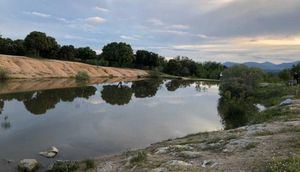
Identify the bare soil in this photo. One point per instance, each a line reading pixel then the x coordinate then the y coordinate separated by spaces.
pixel 25 67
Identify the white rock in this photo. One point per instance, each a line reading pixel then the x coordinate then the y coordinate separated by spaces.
pixel 28 165
pixel 176 163
pixel 162 150
pixel 286 102
pixel 50 153
pixel 210 163
pixel 160 169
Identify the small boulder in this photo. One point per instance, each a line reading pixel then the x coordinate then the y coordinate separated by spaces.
pixel 50 153
pixel 28 165
pixel 286 102
pixel 190 154
pixel 210 163
pixel 176 163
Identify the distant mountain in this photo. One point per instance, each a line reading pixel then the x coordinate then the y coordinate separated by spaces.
pixel 267 66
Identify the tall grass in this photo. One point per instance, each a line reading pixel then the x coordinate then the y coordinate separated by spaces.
pixel 3 74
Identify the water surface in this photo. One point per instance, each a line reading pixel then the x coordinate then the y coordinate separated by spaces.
pixel 103 119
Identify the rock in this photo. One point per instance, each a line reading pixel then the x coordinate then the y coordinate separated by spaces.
pixel 286 102
pixel 180 147
pixel 260 107
pixel 28 165
pixel 160 169
pixel 106 167
pixel 176 163
pixel 253 129
pixel 162 150
pixel 210 163
pixel 50 153
pixel 190 154
pixel 235 145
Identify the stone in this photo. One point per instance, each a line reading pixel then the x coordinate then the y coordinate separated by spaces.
pixel 210 163
pixel 50 153
pixel 28 165
pixel 176 163
pixel 253 129
pixel 162 150
pixel 106 167
pixel 160 169
pixel 235 145
pixel 260 107
pixel 190 154
pixel 286 102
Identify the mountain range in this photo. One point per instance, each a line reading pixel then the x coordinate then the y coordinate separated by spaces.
pixel 266 66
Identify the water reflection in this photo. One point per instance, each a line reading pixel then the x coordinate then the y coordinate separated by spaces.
pixel 82 122
pixel 39 102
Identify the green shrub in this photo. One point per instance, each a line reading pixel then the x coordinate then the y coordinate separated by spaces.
pixel 291 164
pixel 3 74
pixel 140 157
pixel 63 166
pixel 89 163
pixel 82 76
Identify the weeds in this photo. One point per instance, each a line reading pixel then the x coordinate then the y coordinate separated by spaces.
pixel 89 163
pixel 3 74
pixel 291 164
pixel 82 76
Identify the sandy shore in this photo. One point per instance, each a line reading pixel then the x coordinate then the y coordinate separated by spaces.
pixel 25 67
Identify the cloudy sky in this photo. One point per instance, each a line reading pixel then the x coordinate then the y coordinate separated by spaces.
pixel 218 30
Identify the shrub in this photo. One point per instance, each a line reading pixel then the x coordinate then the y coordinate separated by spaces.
pixel 82 76
pixel 62 166
pixel 291 164
pixel 140 157
pixel 89 163
pixel 3 74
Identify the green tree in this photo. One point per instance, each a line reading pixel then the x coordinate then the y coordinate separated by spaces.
pixel 118 54
pixel 67 52
pixel 38 44
pixel 85 53
pixel 285 75
pixel 146 59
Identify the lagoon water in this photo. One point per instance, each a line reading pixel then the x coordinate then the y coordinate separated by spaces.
pixel 104 119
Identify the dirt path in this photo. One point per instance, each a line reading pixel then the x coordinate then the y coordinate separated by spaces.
pixel 25 67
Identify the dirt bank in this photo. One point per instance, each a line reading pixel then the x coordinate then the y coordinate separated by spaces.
pixel 25 67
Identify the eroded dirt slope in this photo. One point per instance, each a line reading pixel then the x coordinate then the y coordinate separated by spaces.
pixel 25 67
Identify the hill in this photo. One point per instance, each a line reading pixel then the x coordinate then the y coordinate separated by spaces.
pixel 25 67
pixel 267 66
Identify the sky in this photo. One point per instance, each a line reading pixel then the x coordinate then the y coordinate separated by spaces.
pixel 204 30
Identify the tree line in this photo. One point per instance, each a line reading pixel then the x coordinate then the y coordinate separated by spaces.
pixel 115 54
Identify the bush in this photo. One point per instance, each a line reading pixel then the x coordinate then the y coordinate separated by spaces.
pixel 82 76
pixel 62 166
pixel 89 163
pixel 291 164
pixel 140 157
pixel 3 74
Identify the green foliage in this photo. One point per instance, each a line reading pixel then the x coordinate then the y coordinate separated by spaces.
pixel 3 74
pixel 85 53
pixel 291 164
pixel 8 46
pixel 285 75
pixel 67 52
pixel 240 81
pixel 118 54
pixel 89 163
pixel 38 44
pixel 146 59
pixel 140 157
pixel 82 76
pixel 63 166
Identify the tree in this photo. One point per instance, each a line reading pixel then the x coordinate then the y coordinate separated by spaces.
pixel 146 59
pixel 10 47
pixel 85 53
pixel 38 44
pixel 118 54
pixel 67 52
pixel 173 67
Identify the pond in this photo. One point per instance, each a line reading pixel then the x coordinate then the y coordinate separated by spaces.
pixel 104 118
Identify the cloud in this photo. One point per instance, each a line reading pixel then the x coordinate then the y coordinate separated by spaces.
pixel 38 14
pixel 129 37
pixel 156 22
pixel 94 21
pixel 98 8
pixel 179 27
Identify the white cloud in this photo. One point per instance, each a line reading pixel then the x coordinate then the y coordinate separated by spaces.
pixel 202 36
pixel 129 37
pixel 98 8
pixel 179 27
pixel 94 21
pixel 38 14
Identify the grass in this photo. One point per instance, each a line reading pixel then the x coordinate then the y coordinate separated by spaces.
pixel 140 157
pixel 291 164
pixel 63 166
pixel 89 164
pixel 3 74
pixel 82 76
pixel 251 145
